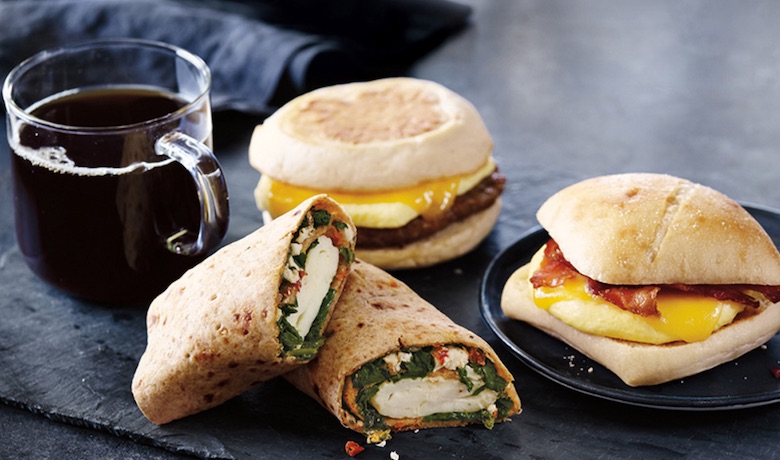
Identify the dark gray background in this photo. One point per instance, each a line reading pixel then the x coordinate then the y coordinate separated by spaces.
pixel 569 90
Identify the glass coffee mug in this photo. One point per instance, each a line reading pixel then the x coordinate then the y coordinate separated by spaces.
pixel 116 190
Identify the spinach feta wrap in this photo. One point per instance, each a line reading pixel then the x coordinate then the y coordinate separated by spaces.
pixel 252 311
pixel 393 362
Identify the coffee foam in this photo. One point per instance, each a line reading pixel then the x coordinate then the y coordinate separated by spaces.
pixel 56 160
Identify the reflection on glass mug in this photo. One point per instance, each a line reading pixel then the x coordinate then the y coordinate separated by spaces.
pixel 116 190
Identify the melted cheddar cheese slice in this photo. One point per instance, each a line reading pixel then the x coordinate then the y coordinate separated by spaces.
pixel 683 316
pixel 386 209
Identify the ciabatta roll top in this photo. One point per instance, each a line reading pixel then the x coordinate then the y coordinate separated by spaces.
pixel 642 228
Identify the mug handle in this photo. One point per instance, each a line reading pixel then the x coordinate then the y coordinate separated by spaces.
pixel 204 168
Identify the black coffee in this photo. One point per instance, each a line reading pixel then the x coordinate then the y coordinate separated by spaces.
pixel 105 197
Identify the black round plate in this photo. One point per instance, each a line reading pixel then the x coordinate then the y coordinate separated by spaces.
pixel 744 382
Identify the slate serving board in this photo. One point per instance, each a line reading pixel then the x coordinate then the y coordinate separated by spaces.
pixel 73 361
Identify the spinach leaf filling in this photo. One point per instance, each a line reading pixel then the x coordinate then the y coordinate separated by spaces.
pixel 490 376
pixel 370 376
pixel 347 254
pixel 484 416
pixel 304 348
pixel 321 217
pixel 288 336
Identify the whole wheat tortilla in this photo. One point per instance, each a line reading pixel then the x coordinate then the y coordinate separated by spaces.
pixel 213 333
pixel 377 315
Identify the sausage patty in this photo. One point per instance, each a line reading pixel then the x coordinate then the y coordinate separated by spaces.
pixel 481 197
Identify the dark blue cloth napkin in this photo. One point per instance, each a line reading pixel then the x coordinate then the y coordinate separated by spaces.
pixel 262 53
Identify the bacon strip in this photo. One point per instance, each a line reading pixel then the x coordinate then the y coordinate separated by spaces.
pixel 770 292
pixel 640 300
pixel 554 270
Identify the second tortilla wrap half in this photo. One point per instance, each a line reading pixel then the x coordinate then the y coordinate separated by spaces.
pixel 393 362
pixel 250 312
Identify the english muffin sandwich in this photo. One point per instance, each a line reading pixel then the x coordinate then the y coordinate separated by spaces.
pixel 655 277
pixel 409 160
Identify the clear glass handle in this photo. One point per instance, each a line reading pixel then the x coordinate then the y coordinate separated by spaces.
pixel 212 192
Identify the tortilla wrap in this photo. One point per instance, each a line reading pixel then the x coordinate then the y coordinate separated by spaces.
pixel 378 316
pixel 218 330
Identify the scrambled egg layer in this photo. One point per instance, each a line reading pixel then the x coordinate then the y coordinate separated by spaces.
pixel 389 209
pixel 683 316
pixel 322 263
pixel 412 398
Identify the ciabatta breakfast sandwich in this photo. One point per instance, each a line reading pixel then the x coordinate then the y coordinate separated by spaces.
pixel 393 362
pixel 408 159
pixel 655 277
pixel 253 310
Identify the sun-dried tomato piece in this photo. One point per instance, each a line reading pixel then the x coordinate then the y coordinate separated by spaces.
pixel 440 353
pixel 352 448
pixel 476 356
pixel 336 236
